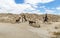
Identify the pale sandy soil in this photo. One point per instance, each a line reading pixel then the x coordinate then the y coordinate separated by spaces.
pixel 23 30
pixel 16 31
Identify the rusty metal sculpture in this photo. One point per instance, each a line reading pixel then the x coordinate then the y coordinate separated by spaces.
pixel 18 19
pixel 24 18
pixel 45 18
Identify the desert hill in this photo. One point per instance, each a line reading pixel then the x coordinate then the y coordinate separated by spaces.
pixel 51 17
pixel 11 18
pixel 20 26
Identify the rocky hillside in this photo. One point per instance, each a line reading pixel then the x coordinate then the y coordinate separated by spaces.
pixel 51 17
pixel 8 18
pixel 11 18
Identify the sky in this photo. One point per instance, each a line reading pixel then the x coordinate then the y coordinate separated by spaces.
pixel 30 6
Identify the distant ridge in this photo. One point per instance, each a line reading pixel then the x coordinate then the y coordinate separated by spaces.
pixel 11 18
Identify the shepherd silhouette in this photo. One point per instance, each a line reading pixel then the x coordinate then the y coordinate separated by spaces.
pixel 46 18
pixel 24 17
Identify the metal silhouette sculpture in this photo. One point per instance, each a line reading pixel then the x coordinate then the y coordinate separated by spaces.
pixel 31 22
pixel 24 17
pixel 18 19
pixel 46 18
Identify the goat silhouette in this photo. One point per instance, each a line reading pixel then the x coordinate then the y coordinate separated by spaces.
pixel 18 19
pixel 30 22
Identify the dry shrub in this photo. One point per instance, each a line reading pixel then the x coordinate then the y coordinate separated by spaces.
pixel 56 33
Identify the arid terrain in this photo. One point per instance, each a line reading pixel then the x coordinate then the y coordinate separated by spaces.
pixel 29 26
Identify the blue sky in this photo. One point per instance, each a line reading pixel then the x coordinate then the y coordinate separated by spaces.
pixel 53 4
pixel 19 1
pixel 30 6
pixel 50 6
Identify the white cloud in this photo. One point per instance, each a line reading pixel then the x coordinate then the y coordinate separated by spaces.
pixel 49 11
pixel 58 8
pixel 9 6
pixel 38 1
pixel 33 11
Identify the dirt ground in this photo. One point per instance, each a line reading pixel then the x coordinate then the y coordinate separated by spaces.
pixel 8 30
pixel 24 30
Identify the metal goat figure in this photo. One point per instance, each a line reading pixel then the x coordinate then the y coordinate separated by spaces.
pixel 18 19
pixel 45 18
pixel 31 22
